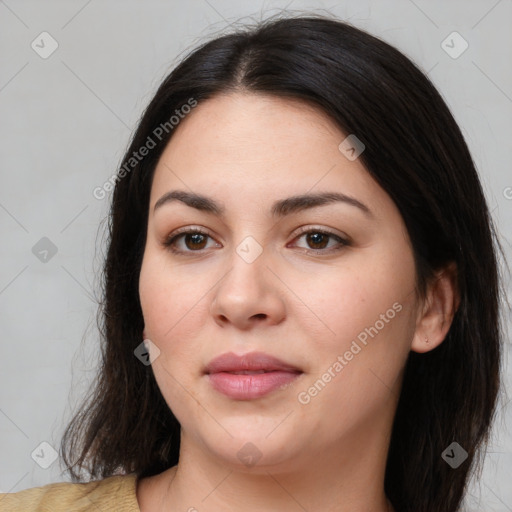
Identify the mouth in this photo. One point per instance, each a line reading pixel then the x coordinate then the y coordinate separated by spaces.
pixel 251 372
pixel 250 376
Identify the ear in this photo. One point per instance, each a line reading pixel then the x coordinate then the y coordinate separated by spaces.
pixel 435 317
pixel 144 333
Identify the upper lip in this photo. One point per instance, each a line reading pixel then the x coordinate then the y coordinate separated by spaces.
pixel 231 362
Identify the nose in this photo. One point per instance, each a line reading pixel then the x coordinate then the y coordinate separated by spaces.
pixel 249 294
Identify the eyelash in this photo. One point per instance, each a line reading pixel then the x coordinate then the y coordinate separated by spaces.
pixel 171 240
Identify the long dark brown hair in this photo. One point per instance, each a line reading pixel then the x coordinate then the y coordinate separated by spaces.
pixel 417 154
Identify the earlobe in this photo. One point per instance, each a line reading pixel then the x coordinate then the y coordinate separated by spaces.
pixel 441 304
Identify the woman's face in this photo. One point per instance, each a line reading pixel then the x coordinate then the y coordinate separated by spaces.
pixel 265 279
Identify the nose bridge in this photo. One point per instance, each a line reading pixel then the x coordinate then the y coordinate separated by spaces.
pixel 250 249
pixel 247 267
pixel 249 289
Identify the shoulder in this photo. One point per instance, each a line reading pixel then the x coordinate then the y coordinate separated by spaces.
pixel 116 493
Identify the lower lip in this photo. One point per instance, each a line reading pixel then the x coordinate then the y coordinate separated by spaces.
pixel 248 387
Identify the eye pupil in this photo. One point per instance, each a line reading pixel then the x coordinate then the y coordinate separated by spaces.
pixel 317 238
pixel 196 239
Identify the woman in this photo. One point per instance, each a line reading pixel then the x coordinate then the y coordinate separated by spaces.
pixel 299 235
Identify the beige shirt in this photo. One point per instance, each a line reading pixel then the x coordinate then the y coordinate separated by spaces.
pixel 112 494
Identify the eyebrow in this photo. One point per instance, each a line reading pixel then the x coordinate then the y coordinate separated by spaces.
pixel 279 208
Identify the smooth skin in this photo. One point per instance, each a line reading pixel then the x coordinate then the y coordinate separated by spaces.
pixel 301 300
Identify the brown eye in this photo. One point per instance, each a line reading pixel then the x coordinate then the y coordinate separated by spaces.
pixel 317 240
pixel 194 240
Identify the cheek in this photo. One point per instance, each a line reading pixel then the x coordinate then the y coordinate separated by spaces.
pixel 171 309
pixel 169 298
pixel 369 338
pixel 371 312
pixel 368 318
pixel 370 291
pixel 357 375
pixel 169 304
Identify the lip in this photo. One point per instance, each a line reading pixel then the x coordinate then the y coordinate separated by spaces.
pixel 278 374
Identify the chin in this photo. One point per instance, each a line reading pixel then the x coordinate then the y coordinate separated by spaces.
pixel 252 449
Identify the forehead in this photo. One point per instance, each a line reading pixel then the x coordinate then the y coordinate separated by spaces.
pixel 244 147
pixel 242 130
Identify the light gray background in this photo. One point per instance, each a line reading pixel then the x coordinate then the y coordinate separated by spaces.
pixel 66 121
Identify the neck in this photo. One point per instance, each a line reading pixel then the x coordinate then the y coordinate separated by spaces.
pixel 348 479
